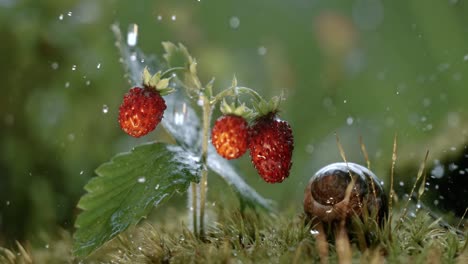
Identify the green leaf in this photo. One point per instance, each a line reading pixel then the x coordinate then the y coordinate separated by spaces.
pixel 127 188
pixel 177 56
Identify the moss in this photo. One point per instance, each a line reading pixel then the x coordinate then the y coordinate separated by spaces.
pixel 259 237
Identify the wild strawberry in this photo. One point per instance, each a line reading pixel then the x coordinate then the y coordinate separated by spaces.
pixel 271 144
pixel 230 136
pixel 141 111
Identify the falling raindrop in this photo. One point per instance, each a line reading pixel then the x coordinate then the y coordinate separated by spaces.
pixel 465 58
pixel 402 184
pixel 173 17
pixel 98 66
pixel 234 22
pixel 180 114
pixel 61 18
pixel 157 187
pixel 67 84
pixel 437 172
pixel 47 246
pixel 142 179
pixel 81 172
pixel 71 137
pixel 132 35
pixel 7 203
pixel 88 82
pixel 73 67
pixel 54 65
pixel 70 13
pixel 349 121
pixel 105 109
pixel 262 51
pixel 159 17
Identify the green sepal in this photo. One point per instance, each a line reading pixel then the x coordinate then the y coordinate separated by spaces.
pixel 264 107
pixel 155 81
pixel 233 109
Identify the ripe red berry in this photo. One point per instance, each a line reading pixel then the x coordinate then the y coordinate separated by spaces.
pixel 271 144
pixel 141 111
pixel 230 136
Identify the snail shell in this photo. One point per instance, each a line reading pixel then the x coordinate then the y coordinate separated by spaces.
pixel 324 198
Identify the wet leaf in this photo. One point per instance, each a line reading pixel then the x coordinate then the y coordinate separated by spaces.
pixel 126 189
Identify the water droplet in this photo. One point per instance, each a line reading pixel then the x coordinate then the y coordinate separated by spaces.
pixel 105 109
pixel 418 205
pixel 345 101
pixel 98 66
pixel 402 184
pixel 179 115
pixel 453 119
pixel 67 84
pixel 140 248
pixel 47 246
pixel 133 57
pixel 262 51
pixel 70 13
pixel 173 17
pixel 159 17
pixel 73 67
pixel 81 172
pixel 142 179
pixel 88 82
pixel 349 121
pixel 437 172
pixel 436 202
pixel 310 148
pixel 54 65
pixel 465 58
pixel 71 137
pixel 314 232
pixel 132 35
pixel 157 187
pixel 234 22
pixel 329 210
pixel 61 18
pixel 7 203
pixel 436 186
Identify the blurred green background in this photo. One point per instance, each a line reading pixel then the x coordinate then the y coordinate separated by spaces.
pixel 369 68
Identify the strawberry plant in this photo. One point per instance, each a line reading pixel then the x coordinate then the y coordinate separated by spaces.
pixel 131 184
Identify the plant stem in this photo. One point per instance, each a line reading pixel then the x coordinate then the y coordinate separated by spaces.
pixel 194 207
pixel 207 109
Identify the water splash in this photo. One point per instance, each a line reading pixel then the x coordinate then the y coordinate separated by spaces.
pixel 132 35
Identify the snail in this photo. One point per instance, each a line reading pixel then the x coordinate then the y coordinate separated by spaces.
pixel 324 196
pixel 335 195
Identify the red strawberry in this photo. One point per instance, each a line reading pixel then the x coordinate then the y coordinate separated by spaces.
pixel 141 111
pixel 271 144
pixel 230 136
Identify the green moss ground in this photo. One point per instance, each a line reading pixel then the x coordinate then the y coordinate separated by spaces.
pixel 255 238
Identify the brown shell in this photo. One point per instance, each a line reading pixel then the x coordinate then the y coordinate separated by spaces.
pixel 324 196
